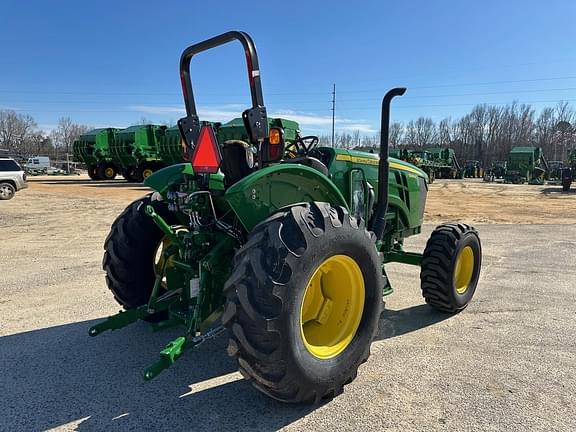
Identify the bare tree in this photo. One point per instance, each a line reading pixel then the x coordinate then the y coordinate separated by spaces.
pixel 15 131
pixel 395 133
pixel 65 134
pixel 425 132
pixel 444 132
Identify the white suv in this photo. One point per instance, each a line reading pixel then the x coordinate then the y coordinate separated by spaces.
pixel 12 178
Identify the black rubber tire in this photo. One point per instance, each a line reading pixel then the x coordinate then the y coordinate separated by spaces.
pixel 101 171
pixel 92 173
pixel 129 253
pixel 8 191
pixel 139 172
pixel 438 264
pixel 129 174
pixel 265 292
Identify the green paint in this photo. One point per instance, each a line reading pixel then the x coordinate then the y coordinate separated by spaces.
pixel 93 147
pixel 136 145
pixel 260 194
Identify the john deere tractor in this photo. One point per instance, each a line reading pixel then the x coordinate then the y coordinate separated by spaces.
pixel 284 249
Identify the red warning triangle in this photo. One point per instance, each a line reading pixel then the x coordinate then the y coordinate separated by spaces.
pixel 206 156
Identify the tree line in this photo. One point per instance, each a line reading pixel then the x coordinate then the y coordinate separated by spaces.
pixel 487 133
pixel 20 137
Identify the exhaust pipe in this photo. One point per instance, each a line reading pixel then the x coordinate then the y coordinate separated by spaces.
pixel 379 224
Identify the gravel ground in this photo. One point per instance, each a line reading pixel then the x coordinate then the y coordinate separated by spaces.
pixel 507 362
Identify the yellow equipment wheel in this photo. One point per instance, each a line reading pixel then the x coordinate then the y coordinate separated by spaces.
pixel 451 267
pixel 303 302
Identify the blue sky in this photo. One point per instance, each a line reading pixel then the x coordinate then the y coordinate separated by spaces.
pixel 110 63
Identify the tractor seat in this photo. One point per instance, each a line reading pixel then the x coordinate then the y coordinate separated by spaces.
pixel 310 162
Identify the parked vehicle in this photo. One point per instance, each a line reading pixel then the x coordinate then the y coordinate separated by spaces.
pixel 12 178
pixel 38 163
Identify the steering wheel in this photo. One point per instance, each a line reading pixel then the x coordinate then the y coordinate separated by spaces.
pixel 306 144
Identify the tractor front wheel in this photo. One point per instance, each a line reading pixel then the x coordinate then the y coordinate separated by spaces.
pixel 303 302
pixel 451 267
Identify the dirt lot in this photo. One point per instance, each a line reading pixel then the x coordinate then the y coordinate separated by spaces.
pixel 505 363
pixel 471 200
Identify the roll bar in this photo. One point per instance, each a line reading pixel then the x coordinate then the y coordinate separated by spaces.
pixel 256 116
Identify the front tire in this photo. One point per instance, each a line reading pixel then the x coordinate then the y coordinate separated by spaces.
pixel 7 191
pixel 303 302
pixel 451 267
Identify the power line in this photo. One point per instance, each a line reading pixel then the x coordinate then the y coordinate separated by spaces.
pixel 398 106
pixel 303 102
pixel 284 93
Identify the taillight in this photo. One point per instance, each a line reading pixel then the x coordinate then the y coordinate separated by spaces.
pixel 275 144
pixel 206 156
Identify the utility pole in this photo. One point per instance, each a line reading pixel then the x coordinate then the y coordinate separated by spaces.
pixel 333 110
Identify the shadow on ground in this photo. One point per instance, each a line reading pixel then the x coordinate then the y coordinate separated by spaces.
pixel 399 322
pixel 558 191
pixel 59 375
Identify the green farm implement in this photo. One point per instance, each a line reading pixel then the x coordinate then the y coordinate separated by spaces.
pixel 93 148
pixel 447 165
pixel 281 245
pixel 526 165
pixel 135 150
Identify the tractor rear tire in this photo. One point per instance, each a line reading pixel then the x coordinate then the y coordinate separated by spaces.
pixel 303 302
pixel 451 267
pixel 129 253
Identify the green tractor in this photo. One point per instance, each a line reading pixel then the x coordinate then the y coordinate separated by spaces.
pixel 93 149
pixel 284 247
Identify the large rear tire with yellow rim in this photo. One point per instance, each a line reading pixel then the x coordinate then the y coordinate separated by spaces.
pixel 303 302
pixel 451 267
pixel 131 254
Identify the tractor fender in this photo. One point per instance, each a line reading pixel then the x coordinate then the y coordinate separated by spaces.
pixel 263 192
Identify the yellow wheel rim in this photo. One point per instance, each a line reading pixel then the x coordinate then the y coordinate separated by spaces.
pixel 147 173
pixel 464 270
pixel 332 307
pixel 109 172
pixel 158 257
